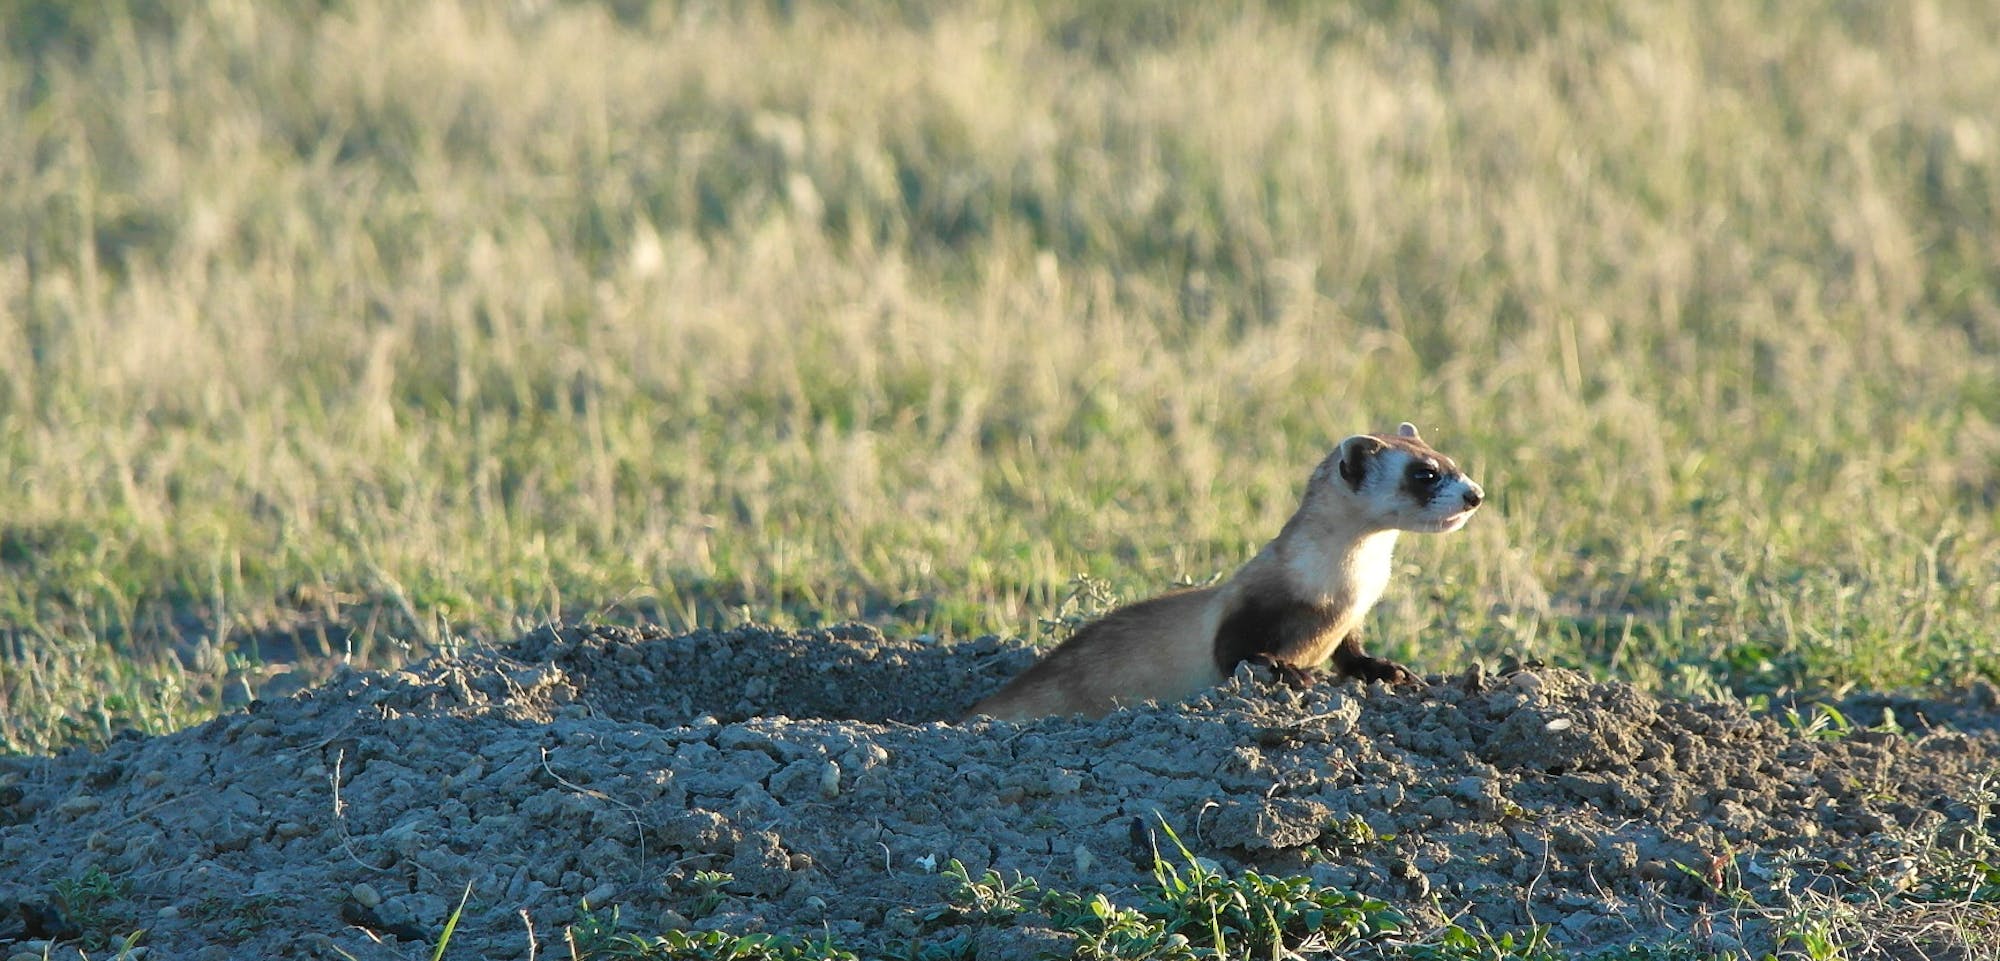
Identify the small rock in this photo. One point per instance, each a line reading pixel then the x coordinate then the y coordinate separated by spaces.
pixel 737 737
pixel 407 838
pixel 829 780
pixel 1273 824
pixel 1085 861
pixel 1471 789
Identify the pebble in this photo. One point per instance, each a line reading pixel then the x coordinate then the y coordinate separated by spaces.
pixel 1470 788
pixel 829 780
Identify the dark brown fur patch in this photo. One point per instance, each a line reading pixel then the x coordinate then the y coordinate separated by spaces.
pixel 1350 660
pixel 1353 459
pixel 1269 626
pixel 1422 456
pixel 1420 480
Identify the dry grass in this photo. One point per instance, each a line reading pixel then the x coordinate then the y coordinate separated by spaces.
pixel 326 331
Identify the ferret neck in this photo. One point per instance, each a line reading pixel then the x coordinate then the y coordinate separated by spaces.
pixel 1346 572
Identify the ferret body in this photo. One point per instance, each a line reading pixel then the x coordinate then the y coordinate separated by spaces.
pixel 1299 601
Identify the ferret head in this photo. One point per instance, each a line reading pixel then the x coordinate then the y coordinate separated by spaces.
pixel 1395 482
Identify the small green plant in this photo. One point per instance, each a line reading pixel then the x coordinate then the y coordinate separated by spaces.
pixel 1106 931
pixel 86 893
pixel 594 936
pixel 1089 598
pixel 1456 943
pixel 989 897
pixel 1826 723
pixel 1260 914
pixel 85 901
pixel 451 923
pixel 1352 833
pixel 708 891
pixel 706 946
pixel 1722 877
pixel 1961 864
pixel 1675 950
pixel 126 946
pixel 1193 910
pixel 1809 935
pixel 594 933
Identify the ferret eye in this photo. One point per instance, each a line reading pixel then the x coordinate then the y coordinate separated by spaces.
pixel 1423 475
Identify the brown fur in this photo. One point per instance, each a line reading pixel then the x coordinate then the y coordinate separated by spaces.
pixel 1298 602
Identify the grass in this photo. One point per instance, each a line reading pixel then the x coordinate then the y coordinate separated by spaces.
pixel 1944 902
pixel 1943 907
pixel 337 332
pixel 1193 911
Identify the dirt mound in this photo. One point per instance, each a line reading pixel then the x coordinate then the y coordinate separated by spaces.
pixel 615 766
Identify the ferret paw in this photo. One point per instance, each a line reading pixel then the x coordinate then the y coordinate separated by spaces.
pixel 1291 675
pixel 1365 668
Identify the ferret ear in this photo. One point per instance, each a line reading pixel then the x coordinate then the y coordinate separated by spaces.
pixel 1408 430
pixel 1354 454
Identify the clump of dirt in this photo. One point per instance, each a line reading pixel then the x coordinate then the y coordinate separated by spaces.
pixel 613 767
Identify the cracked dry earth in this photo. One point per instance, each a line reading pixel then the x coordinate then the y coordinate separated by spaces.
pixel 611 765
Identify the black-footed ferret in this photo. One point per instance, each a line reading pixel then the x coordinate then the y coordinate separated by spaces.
pixel 1299 601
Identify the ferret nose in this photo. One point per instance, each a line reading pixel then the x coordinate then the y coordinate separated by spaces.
pixel 1473 495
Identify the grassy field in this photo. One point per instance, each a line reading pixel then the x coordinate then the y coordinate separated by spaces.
pixel 344 330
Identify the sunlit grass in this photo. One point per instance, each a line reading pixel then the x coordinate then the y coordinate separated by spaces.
pixel 338 331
